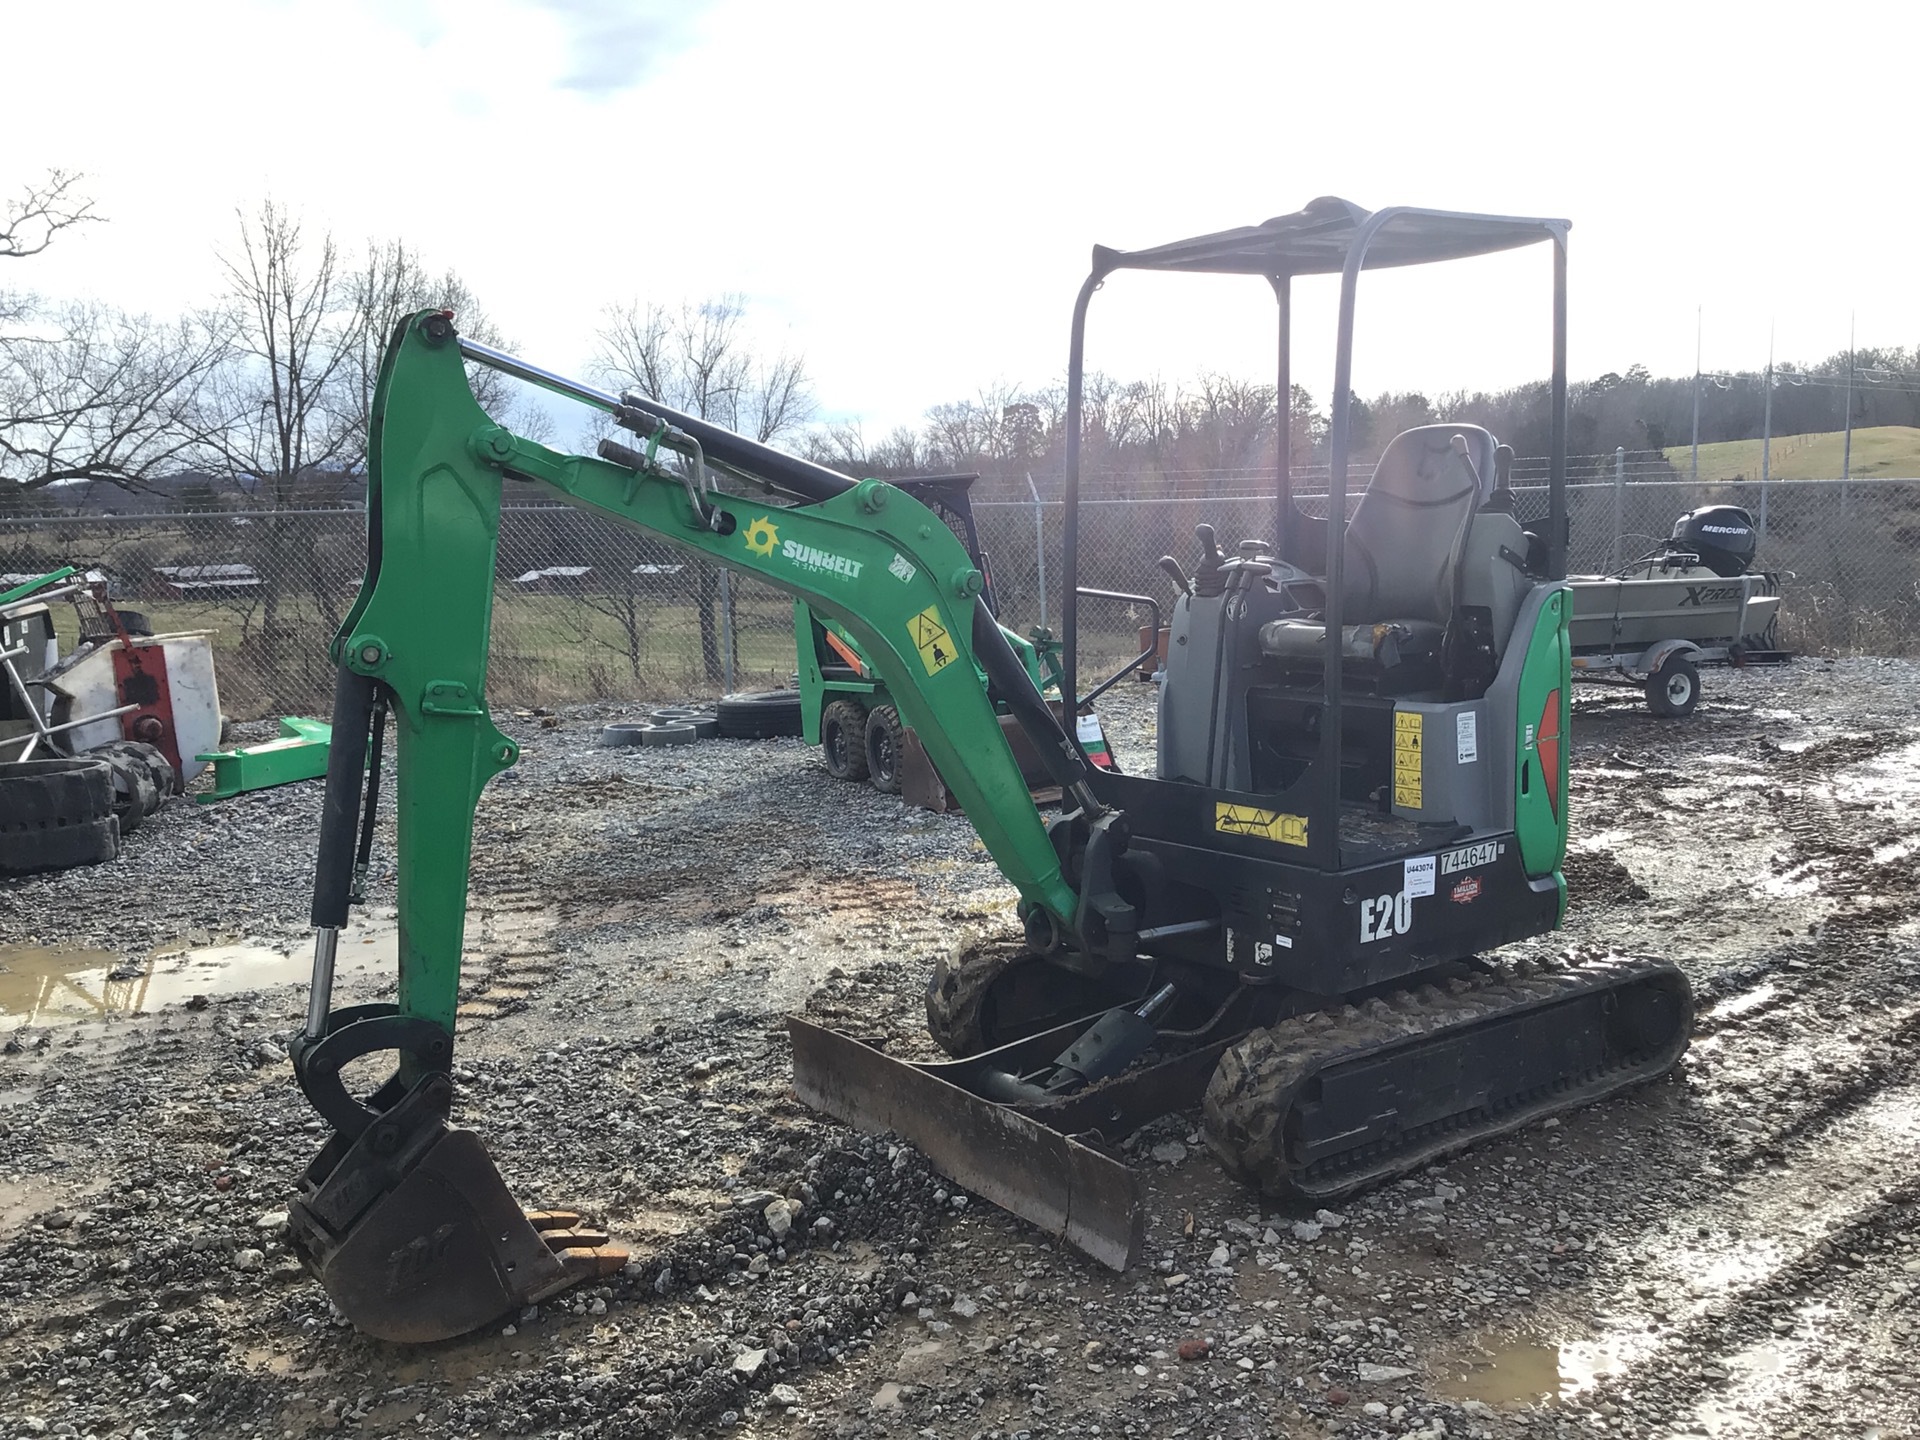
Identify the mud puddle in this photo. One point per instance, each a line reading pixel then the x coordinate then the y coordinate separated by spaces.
pixel 1531 1369
pixel 63 985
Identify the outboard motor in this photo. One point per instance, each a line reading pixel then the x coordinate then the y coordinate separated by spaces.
pixel 1721 535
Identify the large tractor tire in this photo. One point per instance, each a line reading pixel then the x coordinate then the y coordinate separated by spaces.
pixel 760 715
pixel 843 739
pixel 55 814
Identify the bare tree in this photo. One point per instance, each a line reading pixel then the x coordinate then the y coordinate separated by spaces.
pixel 296 333
pixel 53 205
pixel 88 393
pixel 392 283
pixel 293 420
pixel 845 447
pixel 698 358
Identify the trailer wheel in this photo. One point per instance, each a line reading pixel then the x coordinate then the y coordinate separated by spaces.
pixel 843 739
pixel 1674 689
pixel 884 732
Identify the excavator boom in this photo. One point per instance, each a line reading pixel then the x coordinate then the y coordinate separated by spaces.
pixel 403 1217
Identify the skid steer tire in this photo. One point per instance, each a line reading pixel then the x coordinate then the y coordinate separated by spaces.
pixel 55 814
pixel 843 739
pixel 142 780
pixel 760 715
pixel 654 736
pixel 884 738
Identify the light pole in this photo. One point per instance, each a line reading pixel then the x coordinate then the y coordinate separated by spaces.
pixel 1696 394
pixel 1846 447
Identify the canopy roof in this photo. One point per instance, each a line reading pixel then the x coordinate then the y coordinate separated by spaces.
pixel 1315 241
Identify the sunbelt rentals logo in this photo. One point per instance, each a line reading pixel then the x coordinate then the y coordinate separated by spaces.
pixel 762 536
pixel 822 562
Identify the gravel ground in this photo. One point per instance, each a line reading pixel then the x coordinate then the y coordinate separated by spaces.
pixel 1733 1251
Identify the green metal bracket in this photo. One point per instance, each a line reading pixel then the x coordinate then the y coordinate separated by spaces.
pixel 299 754
pixel 449 697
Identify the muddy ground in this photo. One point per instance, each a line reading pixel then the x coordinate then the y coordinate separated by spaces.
pixel 1733 1251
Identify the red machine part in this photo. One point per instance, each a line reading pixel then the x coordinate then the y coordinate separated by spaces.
pixel 140 680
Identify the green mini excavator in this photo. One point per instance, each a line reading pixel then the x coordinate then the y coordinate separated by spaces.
pixel 1360 789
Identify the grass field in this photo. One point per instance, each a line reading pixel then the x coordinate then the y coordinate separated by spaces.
pixel 1884 450
pixel 545 648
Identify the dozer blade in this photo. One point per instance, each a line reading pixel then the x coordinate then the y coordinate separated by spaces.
pixel 1066 1187
pixel 415 1237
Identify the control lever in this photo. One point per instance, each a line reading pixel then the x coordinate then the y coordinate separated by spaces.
pixel 1209 579
pixel 1175 573
pixel 1459 444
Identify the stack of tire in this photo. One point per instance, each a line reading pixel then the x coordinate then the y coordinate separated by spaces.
pixel 58 813
pixel 749 716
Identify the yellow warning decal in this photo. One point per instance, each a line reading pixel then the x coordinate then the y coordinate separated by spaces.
pixel 1406 757
pixel 1257 824
pixel 930 638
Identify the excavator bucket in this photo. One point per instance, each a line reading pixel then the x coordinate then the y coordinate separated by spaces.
pixel 414 1234
pixel 1065 1184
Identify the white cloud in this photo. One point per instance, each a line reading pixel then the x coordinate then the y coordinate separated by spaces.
pixel 909 194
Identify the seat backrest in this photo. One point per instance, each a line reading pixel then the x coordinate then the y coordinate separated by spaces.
pixel 1403 544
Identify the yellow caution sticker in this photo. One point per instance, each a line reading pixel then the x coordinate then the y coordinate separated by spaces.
pixel 930 638
pixel 1407 748
pixel 1258 824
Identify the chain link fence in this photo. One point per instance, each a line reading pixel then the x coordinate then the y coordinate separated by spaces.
pixel 1847 553
pixel 587 609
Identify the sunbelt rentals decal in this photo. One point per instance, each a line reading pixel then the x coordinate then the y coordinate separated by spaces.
pixel 763 538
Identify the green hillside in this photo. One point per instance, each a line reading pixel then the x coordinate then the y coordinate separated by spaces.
pixel 1892 450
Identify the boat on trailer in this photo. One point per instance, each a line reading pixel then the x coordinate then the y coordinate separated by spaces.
pixel 1696 600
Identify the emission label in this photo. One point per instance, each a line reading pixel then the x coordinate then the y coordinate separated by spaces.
pixel 1260 824
pixel 1407 745
pixel 1467 735
pixel 930 638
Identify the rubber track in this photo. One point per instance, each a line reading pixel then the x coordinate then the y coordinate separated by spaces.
pixel 1255 1085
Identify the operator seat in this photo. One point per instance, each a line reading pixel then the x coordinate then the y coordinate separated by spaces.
pixel 1403 548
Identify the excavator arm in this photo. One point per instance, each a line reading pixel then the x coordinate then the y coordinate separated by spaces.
pixel 403 1217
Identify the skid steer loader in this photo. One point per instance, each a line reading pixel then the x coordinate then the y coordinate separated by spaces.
pixel 1361 785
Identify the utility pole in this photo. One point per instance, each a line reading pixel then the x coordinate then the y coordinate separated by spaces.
pixel 1766 437
pixel 1696 394
pixel 1846 452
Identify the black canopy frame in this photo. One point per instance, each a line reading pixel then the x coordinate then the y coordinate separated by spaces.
pixel 1329 236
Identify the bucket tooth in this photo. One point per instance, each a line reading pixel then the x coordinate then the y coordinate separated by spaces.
pixel 415 1236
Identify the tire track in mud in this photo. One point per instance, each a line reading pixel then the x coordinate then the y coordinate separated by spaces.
pixel 1744 1315
pixel 1755 1264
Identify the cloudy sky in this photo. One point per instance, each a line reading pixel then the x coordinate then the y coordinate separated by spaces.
pixel 908 193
